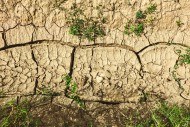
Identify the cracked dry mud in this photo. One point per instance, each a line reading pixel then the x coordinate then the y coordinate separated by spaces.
pixel 36 49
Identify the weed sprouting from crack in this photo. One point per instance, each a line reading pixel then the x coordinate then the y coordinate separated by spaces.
pixel 143 18
pixel 183 59
pixel 84 26
pixel 179 23
pixel 136 28
pixel 151 9
pixel 71 91
pixel 139 14
pixel 15 114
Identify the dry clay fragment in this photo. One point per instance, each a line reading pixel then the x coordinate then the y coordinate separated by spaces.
pixel 54 62
pixel 107 74
pixel 14 77
pixel 158 62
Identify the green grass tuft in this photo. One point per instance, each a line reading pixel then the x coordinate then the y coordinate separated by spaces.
pixel 164 116
pixel 139 14
pixel 71 91
pixel 17 115
pixel 137 29
pixel 85 26
pixel 151 9
pixel 143 18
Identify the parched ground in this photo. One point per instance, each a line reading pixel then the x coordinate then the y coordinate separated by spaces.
pixel 112 72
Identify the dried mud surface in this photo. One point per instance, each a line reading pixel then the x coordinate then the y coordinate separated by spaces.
pixel 36 49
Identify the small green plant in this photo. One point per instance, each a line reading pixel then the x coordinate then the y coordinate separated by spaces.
pixel 71 91
pixel 17 115
pixel 170 116
pixel 151 9
pixel 127 29
pixel 76 27
pixel 183 59
pixel 139 14
pixel 164 116
pixel 142 20
pixel 177 116
pixel 85 27
pixel 93 31
pixel 137 29
pixel 179 23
